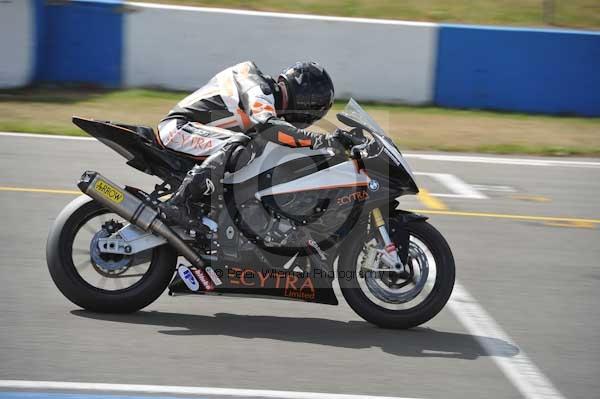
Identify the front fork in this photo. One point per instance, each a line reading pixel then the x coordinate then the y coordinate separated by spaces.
pixel 389 255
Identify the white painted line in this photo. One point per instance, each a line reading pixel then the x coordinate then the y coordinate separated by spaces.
pixel 45 136
pixel 519 369
pixel 503 160
pixel 459 187
pixel 279 14
pixel 498 189
pixel 164 389
pixel 428 157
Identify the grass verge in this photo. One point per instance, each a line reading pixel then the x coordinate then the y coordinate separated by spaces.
pixel 46 110
pixel 558 13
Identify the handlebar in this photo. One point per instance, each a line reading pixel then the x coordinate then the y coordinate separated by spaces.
pixel 357 139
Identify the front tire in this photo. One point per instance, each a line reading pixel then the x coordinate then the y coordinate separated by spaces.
pixel 67 277
pixel 399 309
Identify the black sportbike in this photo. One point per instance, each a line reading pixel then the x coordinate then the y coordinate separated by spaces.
pixel 285 223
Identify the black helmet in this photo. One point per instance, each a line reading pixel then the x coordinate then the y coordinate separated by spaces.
pixel 310 93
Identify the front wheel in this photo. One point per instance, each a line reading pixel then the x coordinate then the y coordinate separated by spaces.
pixel 385 298
pixel 101 282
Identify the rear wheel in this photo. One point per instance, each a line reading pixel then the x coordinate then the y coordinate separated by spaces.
pixel 97 281
pixel 385 298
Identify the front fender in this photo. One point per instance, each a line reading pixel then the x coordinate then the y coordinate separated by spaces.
pixel 397 222
pixel 407 217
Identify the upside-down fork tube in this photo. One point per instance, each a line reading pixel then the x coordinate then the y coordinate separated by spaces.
pixel 134 210
pixel 390 247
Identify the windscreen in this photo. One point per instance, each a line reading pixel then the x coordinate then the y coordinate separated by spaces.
pixel 355 112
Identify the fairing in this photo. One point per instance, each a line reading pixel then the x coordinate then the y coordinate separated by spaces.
pixel 343 175
pixel 272 275
pixel 317 190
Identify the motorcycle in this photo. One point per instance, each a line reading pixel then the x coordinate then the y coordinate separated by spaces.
pixel 286 223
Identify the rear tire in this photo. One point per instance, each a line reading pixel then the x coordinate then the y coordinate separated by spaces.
pixel 64 274
pixel 400 318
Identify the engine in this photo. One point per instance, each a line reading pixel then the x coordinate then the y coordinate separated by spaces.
pixel 278 223
pixel 263 226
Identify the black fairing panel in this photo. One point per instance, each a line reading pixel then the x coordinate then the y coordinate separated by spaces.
pixel 389 181
pixel 138 145
pixel 124 141
pixel 266 276
pixel 396 178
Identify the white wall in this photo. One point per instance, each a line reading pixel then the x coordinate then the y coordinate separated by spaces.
pixel 17 35
pixel 182 47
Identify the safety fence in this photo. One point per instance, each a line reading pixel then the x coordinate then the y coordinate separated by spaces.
pixel 114 43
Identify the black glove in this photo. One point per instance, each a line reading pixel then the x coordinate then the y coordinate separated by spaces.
pixel 339 140
pixel 344 139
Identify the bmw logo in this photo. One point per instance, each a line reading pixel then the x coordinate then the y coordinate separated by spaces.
pixel 373 185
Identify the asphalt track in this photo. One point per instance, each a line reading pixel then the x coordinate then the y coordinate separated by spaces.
pixel 525 321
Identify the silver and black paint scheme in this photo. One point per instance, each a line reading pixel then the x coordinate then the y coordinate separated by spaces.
pixel 275 201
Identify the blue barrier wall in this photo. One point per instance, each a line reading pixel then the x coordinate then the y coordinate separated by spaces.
pixel 523 70
pixel 80 42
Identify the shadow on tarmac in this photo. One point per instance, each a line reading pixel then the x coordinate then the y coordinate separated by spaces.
pixel 417 342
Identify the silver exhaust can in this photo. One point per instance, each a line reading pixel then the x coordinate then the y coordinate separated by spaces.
pixel 117 199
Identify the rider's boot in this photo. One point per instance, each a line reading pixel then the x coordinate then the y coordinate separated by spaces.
pixel 177 209
pixel 197 186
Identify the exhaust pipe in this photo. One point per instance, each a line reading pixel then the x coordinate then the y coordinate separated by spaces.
pixel 131 208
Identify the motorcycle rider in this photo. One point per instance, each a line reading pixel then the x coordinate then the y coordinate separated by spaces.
pixel 209 123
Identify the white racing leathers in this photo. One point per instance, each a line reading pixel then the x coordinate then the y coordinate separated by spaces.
pixel 237 99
